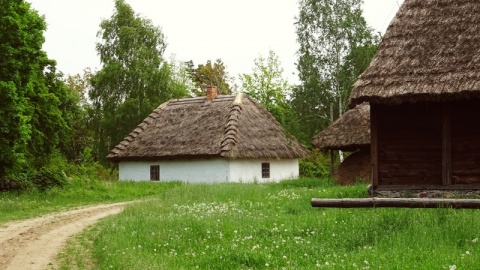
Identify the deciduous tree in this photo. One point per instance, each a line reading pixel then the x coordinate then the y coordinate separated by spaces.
pixel 211 74
pixel 336 45
pixel 267 85
pixel 134 78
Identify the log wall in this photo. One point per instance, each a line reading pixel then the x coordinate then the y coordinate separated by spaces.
pixel 465 143
pixel 427 144
pixel 409 145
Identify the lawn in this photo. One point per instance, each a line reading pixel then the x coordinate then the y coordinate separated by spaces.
pixel 273 226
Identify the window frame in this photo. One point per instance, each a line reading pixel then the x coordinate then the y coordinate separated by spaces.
pixel 154 172
pixel 265 169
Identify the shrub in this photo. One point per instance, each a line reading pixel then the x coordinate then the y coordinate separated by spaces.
pixel 315 165
pixel 17 182
pixel 47 178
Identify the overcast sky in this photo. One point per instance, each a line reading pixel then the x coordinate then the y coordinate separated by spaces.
pixel 235 31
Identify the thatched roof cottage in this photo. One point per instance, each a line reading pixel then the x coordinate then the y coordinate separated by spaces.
pixel 423 86
pixel 349 133
pixel 209 139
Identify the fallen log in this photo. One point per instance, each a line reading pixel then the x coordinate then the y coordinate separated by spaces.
pixel 397 202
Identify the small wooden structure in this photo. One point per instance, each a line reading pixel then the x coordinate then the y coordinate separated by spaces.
pixel 423 86
pixel 349 133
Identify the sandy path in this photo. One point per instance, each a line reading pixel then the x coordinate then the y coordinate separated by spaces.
pixel 34 243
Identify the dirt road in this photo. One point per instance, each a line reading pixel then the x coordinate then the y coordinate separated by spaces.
pixel 34 243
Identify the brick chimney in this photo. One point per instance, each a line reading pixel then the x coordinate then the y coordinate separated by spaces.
pixel 211 92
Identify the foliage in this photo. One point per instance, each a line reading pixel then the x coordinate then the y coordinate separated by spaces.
pixel 267 85
pixel 336 45
pixel 210 74
pixel 36 107
pixel 316 164
pixel 182 80
pixel 21 39
pixel 134 78
pixel 82 135
pixel 47 178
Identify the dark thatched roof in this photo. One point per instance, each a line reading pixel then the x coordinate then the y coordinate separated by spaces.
pixel 430 52
pixel 348 133
pixel 234 127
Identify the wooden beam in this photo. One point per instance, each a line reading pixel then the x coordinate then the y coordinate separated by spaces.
pixel 397 202
pixel 452 188
pixel 446 147
pixel 374 145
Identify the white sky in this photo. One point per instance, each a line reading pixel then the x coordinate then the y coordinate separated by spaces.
pixel 236 31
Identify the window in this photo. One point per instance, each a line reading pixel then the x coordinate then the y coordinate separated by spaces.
pixel 265 170
pixel 155 172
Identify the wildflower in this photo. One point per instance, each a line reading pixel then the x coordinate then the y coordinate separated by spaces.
pixel 267 264
pixel 452 267
pixel 467 252
pixel 475 240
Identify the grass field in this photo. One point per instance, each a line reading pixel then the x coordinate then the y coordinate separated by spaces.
pixel 256 226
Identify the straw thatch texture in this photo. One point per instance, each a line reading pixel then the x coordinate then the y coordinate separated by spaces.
pixel 229 126
pixel 430 52
pixel 348 133
pixel 354 168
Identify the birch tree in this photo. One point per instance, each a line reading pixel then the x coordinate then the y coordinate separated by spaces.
pixel 333 36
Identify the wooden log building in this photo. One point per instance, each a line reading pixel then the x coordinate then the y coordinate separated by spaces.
pixel 423 86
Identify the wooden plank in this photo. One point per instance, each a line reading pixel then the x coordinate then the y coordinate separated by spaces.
pixel 374 144
pixel 397 202
pixel 446 147
pixel 428 187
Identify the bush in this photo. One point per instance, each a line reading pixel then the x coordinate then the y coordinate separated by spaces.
pixel 18 182
pixel 315 165
pixel 47 178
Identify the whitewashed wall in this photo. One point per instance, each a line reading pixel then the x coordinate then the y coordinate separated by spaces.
pixel 251 170
pixel 210 170
pixel 192 171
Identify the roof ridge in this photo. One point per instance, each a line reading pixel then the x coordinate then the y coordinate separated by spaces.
pixel 231 128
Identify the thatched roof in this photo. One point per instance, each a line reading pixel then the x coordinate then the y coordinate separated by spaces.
pixel 348 133
pixel 234 127
pixel 430 52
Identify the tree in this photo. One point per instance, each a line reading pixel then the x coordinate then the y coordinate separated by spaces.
pixel 82 136
pixel 21 39
pixel 210 74
pixel 267 85
pixel 134 78
pixel 336 45
pixel 182 79
pixel 36 107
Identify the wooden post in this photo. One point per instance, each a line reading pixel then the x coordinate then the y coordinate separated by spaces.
pixel 374 145
pixel 397 202
pixel 446 147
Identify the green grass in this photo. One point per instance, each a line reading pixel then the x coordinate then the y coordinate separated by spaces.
pixel 253 226
pixel 14 205
pixel 272 226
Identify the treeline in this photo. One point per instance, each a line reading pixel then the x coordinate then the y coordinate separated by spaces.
pixel 54 126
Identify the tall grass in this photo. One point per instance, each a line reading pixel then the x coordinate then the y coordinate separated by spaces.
pixel 272 226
